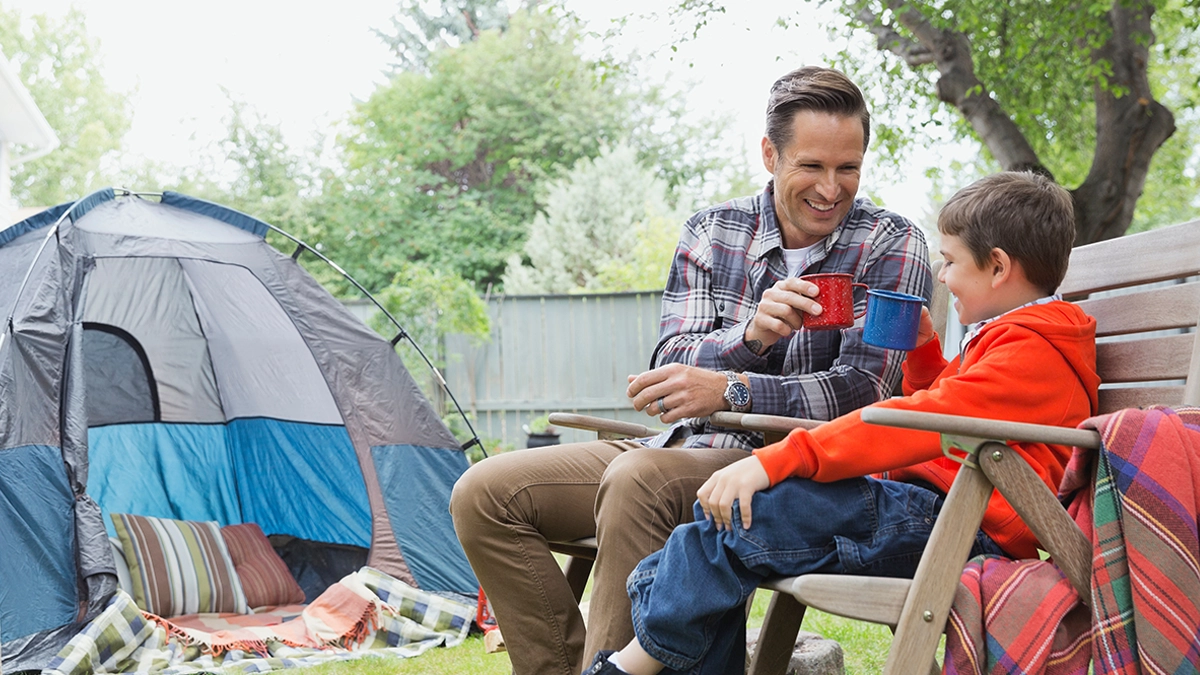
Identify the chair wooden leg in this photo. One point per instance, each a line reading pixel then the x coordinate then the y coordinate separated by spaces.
pixel 577 572
pixel 923 619
pixel 777 639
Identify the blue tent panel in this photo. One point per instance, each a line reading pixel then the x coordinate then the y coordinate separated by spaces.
pixel 37 526
pixel 289 477
pixel 300 479
pixel 420 513
pixel 176 471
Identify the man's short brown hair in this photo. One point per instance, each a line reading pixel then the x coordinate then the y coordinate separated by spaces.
pixel 817 89
pixel 1026 215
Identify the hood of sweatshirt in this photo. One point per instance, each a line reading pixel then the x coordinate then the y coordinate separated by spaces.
pixel 1066 327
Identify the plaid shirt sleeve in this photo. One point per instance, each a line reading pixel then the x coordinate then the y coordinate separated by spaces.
pixel 693 330
pixel 855 374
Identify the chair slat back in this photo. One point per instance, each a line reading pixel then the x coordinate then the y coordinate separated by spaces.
pixel 1142 258
pixel 1142 291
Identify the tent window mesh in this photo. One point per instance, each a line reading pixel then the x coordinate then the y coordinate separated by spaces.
pixel 120 383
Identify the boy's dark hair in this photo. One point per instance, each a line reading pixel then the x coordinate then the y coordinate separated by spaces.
pixel 1027 215
pixel 813 88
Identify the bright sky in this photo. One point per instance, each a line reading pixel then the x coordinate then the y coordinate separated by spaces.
pixel 303 63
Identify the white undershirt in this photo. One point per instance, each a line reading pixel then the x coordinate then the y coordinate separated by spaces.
pixel 797 259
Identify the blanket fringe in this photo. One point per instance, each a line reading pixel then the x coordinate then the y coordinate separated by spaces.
pixel 174 631
pixel 365 626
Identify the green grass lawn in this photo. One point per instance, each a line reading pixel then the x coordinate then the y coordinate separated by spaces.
pixel 864 645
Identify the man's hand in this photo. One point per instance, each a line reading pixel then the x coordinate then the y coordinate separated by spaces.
pixel 739 481
pixel 675 391
pixel 925 330
pixel 780 313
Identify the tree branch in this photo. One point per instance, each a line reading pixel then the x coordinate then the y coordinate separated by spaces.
pixel 959 86
pixel 914 53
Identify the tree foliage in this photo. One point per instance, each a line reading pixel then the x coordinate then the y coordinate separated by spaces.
pixel 431 304
pixel 1069 92
pixel 419 30
pixel 607 226
pixel 59 63
pixel 446 166
pixel 1079 91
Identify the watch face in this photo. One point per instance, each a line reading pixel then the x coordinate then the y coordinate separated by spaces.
pixel 739 394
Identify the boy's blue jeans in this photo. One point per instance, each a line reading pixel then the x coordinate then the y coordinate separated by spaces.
pixel 689 598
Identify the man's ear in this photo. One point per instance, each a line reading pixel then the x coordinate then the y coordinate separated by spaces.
pixel 1001 266
pixel 768 155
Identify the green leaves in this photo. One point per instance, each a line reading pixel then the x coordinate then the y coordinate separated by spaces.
pixel 59 63
pixel 607 227
pixel 447 165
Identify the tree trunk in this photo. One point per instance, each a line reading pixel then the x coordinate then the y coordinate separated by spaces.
pixel 1129 129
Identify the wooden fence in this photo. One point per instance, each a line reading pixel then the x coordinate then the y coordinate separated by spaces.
pixel 553 353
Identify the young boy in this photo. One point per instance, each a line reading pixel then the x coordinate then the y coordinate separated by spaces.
pixel 848 497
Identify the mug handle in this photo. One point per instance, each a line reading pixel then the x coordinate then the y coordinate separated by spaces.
pixel 866 287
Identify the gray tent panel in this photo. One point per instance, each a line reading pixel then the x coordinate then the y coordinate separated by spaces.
pixel 137 218
pixel 264 369
pixel 149 299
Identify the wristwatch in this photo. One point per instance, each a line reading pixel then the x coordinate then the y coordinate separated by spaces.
pixel 737 394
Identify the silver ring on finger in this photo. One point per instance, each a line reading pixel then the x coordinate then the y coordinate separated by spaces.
pixel 662 407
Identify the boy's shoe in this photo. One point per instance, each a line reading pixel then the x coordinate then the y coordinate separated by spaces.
pixel 601 666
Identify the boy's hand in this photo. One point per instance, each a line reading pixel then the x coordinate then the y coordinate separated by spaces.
pixel 739 481
pixel 925 330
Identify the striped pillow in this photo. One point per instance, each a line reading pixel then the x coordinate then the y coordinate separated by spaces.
pixel 179 566
pixel 265 578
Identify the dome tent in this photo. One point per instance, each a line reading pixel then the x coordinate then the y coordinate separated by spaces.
pixel 160 358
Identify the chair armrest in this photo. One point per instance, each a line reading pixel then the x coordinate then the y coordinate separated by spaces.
pixel 607 429
pixel 1033 501
pixel 977 427
pixel 773 427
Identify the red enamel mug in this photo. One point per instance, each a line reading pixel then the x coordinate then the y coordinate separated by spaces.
pixel 836 297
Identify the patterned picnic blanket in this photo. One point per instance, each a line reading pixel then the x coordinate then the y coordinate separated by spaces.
pixel 1141 517
pixel 366 613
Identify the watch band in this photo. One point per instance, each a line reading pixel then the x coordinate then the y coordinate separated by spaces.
pixel 737 394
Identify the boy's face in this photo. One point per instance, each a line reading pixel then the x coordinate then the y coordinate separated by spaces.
pixel 816 175
pixel 975 298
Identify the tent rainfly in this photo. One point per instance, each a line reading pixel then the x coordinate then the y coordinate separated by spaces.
pixel 159 357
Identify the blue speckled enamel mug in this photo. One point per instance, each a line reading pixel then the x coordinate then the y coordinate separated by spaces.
pixel 892 319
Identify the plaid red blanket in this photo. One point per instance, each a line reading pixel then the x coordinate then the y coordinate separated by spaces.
pixel 1140 513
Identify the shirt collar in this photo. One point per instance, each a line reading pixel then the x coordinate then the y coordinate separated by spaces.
pixel 767 237
pixel 974 329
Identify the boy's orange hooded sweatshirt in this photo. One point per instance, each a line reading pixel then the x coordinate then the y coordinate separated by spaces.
pixel 1036 364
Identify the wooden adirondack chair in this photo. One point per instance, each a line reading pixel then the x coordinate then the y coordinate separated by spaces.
pixel 1142 357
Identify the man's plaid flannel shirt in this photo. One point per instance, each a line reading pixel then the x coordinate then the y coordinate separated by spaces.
pixel 727 256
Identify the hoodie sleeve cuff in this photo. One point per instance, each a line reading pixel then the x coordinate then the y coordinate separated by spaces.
pixel 924 364
pixel 791 457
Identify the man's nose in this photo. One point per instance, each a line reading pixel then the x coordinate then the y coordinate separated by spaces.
pixel 827 185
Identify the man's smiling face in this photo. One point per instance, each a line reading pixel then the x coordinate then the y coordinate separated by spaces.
pixel 816 175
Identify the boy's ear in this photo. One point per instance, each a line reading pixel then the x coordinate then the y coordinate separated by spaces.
pixel 1000 264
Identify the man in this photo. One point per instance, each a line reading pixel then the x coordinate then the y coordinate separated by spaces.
pixel 730 338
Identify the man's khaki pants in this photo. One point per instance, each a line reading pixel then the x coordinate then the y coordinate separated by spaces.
pixel 629 497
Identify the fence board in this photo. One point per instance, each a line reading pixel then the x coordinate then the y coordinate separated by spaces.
pixel 551 353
